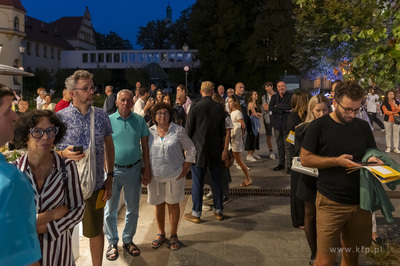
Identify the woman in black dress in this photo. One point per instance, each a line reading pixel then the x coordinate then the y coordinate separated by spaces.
pixel 307 185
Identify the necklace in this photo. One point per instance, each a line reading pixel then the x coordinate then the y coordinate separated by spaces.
pixel 47 170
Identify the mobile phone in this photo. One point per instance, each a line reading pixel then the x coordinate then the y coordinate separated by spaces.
pixel 78 148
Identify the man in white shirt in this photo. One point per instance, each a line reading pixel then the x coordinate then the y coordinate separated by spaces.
pixel 142 105
pixel 372 102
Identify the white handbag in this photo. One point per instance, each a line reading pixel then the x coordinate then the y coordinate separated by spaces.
pixel 298 167
pixel 87 165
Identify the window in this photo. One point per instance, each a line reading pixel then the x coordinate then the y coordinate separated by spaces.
pixel 188 57
pixel 100 58
pixel 164 57
pixel 108 57
pixel 37 49
pixel 52 52
pixel 84 58
pixel 140 58
pixel 116 57
pixel 179 57
pixel 124 57
pixel 171 57
pixel 16 23
pixel 149 57
pixel 28 48
pixel 156 57
pixel 93 58
pixel 45 51
pixel 131 57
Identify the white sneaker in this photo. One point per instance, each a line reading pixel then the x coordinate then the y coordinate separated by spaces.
pixel 238 167
pixel 396 150
pixel 251 158
pixel 208 196
pixel 256 156
pixel 272 156
pixel 387 150
pixel 206 207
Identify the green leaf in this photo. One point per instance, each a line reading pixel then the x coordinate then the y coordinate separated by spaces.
pixel 333 37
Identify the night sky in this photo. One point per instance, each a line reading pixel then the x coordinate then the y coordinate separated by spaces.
pixel 121 16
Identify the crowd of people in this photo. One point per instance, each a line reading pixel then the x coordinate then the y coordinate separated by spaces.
pixel 79 158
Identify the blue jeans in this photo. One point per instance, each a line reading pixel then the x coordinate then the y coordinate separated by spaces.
pixel 198 174
pixel 130 180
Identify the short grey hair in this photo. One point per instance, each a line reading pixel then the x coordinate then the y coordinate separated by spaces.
pixel 71 81
pixel 124 91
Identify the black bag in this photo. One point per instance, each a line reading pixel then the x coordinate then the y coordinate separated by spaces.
pixel 396 119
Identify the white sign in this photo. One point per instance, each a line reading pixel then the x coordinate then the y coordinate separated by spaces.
pixel 186 68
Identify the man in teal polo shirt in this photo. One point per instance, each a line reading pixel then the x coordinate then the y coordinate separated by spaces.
pixel 129 131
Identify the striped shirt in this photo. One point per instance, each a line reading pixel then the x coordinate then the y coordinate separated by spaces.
pixel 56 242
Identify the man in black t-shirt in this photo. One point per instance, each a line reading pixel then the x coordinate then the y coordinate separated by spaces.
pixel 332 144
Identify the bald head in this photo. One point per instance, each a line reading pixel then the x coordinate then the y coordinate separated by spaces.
pixel 239 89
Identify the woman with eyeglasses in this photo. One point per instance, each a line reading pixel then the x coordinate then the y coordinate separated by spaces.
pixel 58 196
pixel 171 154
pixel 390 108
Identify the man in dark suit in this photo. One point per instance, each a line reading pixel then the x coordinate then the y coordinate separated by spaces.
pixel 205 125
pixel 109 103
pixel 280 107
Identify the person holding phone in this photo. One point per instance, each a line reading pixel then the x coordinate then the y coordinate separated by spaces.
pixel 78 117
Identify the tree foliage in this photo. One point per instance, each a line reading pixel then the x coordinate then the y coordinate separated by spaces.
pixel 165 34
pixel 362 35
pixel 111 41
pixel 133 75
pixel 242 40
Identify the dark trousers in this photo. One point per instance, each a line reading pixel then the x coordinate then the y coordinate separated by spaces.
pixel 296 204
pixel 283 147
pixel 198 174
pixel 374 118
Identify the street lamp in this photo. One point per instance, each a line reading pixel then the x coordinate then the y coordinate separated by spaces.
pixel 21 49
pixel 186 68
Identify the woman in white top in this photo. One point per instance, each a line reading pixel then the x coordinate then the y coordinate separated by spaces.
pixel 168 143
pixel 48 105
pixel 237 137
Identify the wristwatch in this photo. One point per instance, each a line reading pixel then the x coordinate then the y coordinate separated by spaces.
pixel 110 174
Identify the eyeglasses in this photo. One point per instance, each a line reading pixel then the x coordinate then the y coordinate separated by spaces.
pixel 38 132
pixel 87 89
pixel 349 110
pixel 159 114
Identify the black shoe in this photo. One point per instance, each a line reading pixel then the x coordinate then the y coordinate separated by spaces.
pixel 279 167
pixel 288 171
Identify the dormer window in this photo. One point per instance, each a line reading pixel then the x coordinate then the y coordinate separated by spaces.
pixel 16 23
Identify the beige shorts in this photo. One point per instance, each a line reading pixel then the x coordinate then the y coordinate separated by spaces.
pixel 336 222
pixel 171 192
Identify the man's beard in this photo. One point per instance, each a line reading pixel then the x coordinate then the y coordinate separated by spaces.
pixel 341 118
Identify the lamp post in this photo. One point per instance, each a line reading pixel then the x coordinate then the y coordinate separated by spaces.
pixel 185 48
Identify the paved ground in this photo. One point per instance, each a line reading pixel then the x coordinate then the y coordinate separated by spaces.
pixel 257 230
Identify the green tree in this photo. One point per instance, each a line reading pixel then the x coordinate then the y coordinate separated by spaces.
pixel 362 34
pixel 133 75
pixel 101 76
pixel 156 35
pixel 247 41
pixel 165 34
pixel 111 41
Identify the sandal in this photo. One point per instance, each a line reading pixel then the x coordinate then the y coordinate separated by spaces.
pixel 177 243
pixel 244 184
pixel 112 252
pixel 132 249
pixel 158 242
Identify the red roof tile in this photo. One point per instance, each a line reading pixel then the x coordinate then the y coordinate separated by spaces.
pixel 68 26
